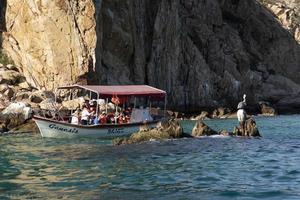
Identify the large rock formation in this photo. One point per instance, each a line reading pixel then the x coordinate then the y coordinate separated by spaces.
pixel 288 13
pixel 165 130
pixel 53 42
pixel 250 129
pixel 204 53
pixel 15 115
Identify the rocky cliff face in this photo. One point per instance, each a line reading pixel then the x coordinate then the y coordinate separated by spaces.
pixel 53 42
pixel 204 53
pixel 288 13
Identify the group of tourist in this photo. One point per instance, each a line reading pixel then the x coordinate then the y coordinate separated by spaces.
pixel 88 115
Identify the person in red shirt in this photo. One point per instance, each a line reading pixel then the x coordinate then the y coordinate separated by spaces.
pixel 103 118
pixel 122 119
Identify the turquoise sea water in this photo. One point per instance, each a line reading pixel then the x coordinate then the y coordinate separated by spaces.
pixel 32 167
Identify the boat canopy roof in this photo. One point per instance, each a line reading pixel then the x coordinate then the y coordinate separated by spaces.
pixel 106 91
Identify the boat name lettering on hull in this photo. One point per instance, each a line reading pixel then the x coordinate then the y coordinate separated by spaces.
pixel 115 131
pixel 59 128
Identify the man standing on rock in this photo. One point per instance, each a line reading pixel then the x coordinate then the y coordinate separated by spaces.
pixel 241 113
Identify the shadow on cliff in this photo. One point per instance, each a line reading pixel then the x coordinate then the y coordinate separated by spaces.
pixel 2 19
pixel 258 29
pixel 260 32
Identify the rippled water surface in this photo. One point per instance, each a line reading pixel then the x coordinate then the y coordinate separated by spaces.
pixel 32 167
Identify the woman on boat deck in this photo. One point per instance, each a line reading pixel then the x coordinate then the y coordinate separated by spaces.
pixel 85 114
pixel 76 116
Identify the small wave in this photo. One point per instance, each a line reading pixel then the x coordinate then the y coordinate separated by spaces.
pixel 214 136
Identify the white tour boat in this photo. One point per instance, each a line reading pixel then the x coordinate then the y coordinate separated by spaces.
pixel 139 116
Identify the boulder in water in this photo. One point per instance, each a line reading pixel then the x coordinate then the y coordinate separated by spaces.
pixel 28 127
pixel 201 129
pixel 250 129
pixel 15 114
pixel 165 130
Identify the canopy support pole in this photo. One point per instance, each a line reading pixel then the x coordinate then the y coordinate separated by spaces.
pixel 71 98
pixel 97 105
pixel 116 117
pixel 134 102
pixel 106 105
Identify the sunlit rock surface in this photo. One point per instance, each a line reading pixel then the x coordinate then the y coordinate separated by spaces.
pixel 165 130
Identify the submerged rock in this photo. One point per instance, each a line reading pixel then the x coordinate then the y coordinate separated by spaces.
pixel 28 127
pixel 165 130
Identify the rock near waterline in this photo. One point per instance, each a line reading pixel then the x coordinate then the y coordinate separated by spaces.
pixel 165 130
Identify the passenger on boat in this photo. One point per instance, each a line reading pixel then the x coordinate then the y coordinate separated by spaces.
pixel 85 114
pixel 110 118
pixel 127 111
pixel 92 110
pixel 241 113
pixel 76 116
pixel 122 119
pixel 87 103
pixel 103 118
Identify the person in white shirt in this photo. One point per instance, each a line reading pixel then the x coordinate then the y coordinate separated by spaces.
pixel 241 113
pixel 85 114
pixel 75 116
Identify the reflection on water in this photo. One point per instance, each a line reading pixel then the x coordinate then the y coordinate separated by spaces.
pixel 32 167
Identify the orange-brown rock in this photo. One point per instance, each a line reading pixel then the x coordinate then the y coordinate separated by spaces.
pixel 165 130
pixel 201 129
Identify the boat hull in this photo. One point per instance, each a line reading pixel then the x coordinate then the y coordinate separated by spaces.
pixel 57 129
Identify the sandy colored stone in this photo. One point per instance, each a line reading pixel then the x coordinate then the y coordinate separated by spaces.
pixel 16 114
pixel 73 104
pixel 52 41
pixel 24 85
pixel 9 92
pixel 11 67
pixel 39 96
pixel 3 87
pixel 10 76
